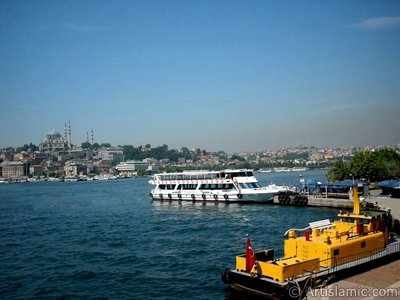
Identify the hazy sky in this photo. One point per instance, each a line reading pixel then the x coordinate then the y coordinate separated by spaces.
pixel 218 75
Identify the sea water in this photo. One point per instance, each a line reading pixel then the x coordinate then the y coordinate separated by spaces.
pixel 107 239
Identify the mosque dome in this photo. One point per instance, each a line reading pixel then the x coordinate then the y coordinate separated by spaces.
pixel 53 135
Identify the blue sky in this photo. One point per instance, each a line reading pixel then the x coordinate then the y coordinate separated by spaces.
pixel 218 75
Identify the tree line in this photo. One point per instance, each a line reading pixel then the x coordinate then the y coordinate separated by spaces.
pixel 372 166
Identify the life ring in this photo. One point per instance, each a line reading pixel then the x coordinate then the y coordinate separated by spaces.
pixel 281 197
pixel 215 196
pixel 240 196
pixel 287 200
pixel 226 197
pixel 193 196
pixel 203 196
pixel 298 200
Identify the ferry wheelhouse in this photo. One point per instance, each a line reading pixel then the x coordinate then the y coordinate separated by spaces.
pixel 226 186
pixel 317 255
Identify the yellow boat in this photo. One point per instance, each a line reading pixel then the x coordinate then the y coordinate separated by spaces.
pixel 319 254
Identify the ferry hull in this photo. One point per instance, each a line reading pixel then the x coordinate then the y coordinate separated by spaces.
pixel 215 197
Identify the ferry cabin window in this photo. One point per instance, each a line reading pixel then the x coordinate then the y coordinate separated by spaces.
pixel 187 186
pixel 166 186
pixel 241 174
pixel 227 186
pixel 336 252
pixel 363 244
pixel 251 185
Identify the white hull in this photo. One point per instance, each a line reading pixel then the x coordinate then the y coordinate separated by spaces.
pixel 216 186
pixel 215 196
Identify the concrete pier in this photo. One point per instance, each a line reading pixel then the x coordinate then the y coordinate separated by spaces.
pixel 326 202
pixel 392 203
pixel 379 283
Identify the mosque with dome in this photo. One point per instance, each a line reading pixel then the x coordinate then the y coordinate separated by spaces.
pixel 54 141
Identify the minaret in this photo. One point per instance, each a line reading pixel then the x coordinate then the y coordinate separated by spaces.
pixel 87 136
pixel 69 135
pixel 91 137
pixel 65 134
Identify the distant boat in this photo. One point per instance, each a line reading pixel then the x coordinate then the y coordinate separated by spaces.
pixel 105 177
pixel 265 171
pixel 54 179
pixel 71 179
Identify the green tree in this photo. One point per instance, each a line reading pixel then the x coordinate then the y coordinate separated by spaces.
pixel 340 171
pixel 86 145
pixel 372 166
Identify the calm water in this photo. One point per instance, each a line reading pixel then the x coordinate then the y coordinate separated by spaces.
pixel 109 240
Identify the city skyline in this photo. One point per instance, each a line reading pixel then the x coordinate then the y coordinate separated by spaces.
pixel 66 140
pixel 243 76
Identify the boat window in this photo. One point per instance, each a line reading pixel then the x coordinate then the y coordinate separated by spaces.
pixel 363 244
pixel 189 186
pixel 250 185
pixel 205 187
pixel 226 186
pixel 348 220
pixel 166 186
pixel 241 174
pixel 336 252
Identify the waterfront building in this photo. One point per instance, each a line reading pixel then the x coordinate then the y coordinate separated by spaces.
pixel 112 156
pixel 15 170
pixel 73 169
pixel 54 169
pixel 18 157
pixel 36 170
pixel 130 168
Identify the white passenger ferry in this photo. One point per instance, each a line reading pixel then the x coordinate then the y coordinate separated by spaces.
pixel 224 186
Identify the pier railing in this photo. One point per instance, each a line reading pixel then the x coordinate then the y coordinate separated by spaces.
pixel 367 256
pixel 349 261
pixel 324 276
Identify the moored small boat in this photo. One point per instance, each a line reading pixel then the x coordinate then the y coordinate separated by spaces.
pixel 321 253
